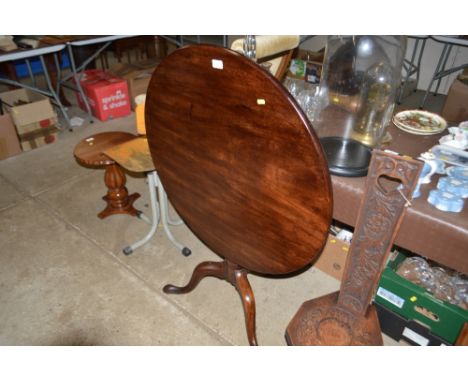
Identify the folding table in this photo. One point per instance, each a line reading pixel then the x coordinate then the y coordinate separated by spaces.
pixel 440 71
pixel 40 53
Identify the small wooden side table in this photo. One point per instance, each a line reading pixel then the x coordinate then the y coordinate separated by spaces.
pixel 89 152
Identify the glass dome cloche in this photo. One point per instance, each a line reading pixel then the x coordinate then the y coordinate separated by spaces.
pixel 358 87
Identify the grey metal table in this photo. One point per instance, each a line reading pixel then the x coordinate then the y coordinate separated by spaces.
pixel 412 66
pixel 441 71
pixel 37 53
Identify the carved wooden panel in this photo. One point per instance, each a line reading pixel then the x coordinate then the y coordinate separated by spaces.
pixel 390 183
pixel 345 318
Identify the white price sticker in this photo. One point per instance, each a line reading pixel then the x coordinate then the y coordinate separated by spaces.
pixel 415 337
pixel 390 297
pixel 217 64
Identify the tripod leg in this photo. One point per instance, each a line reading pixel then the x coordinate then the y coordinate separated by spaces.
pixel 248 302
pixel 205 269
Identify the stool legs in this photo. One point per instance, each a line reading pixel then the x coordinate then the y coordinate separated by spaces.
pixel 117 198
pixel 159 211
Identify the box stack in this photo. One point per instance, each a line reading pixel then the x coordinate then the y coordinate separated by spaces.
pixel 33 117
pixel 107 94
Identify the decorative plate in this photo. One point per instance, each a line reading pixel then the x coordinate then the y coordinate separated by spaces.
pixel 419 122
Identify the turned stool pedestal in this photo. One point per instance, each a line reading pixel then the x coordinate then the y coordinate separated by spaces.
pixel 89 152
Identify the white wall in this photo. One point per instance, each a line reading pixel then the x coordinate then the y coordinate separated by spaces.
pixel 432 52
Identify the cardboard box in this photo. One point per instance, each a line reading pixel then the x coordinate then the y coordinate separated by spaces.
pixel 137 76
pixel 455 108
pixel 332 260
pixel 9 143
pixel 26 106
pixel 409 331
pixel 33 116
pixel 413 302
pixel 38 134
pixel 107 95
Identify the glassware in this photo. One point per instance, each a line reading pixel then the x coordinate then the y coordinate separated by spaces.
pixel 309 101
pixel 294 86
pixel 358 87
pixel 250 47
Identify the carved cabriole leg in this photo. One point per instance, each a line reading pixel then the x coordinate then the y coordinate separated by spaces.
pixel 346 317
pixel 238 278
pixel 235 275
pixel 117 198
pixel 202 270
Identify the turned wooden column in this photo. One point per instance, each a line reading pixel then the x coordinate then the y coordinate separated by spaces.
pixel 89 152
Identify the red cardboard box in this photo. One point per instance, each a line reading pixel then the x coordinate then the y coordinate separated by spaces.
pixel 107 95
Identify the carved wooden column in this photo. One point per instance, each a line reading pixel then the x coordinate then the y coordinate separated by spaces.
pixel 345 317
pixel 117 197
pixel 90 152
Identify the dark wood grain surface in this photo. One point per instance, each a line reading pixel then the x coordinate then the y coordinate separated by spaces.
pixel 240 162
pixel 90 151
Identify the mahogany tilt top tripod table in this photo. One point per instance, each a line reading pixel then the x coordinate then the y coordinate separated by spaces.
pixel 241 164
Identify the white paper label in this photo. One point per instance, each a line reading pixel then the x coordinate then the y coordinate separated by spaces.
pixel 415 337
pixel 217 64
pixel 390 297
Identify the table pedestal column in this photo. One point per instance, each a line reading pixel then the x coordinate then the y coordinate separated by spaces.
pixel 117 198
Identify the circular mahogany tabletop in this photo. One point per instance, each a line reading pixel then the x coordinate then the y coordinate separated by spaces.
pixel 90 150
pixel 239 160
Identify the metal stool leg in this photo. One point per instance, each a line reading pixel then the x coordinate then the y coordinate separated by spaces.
pixel 164 218
pixel 173 222
pixel 155 217
pixel 159 211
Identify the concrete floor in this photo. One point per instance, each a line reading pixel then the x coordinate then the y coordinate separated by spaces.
pixel 65 281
